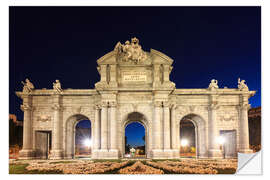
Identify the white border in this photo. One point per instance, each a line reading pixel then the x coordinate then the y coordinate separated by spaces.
pixel 4 67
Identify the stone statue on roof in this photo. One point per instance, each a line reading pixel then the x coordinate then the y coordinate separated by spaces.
pixel 27 86
pixel 57 86
pixel 213 85
pixel 241 85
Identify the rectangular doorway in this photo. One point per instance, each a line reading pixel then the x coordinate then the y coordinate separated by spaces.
pixel 43 144
pixel 229 146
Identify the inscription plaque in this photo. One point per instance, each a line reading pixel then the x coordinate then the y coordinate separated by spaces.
pixel 134 76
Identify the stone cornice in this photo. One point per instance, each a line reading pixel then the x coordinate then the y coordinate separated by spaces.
pixel 216 92
pixel 67 92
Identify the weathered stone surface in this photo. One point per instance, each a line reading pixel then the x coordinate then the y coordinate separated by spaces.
pixel 134 86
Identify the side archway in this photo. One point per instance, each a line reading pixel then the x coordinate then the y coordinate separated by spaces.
pixel 70 134
pixel 200 133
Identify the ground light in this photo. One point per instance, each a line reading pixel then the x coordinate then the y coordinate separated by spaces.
pixel 87 142
pixel 184 142
pixel 221 140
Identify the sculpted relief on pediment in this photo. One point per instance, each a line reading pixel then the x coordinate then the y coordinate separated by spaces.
pixel 131 52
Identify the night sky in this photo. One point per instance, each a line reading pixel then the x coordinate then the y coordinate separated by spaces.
pixel 49 43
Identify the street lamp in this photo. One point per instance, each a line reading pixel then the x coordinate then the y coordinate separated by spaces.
pixel 87 143
pixel 221 140
pixel 184 144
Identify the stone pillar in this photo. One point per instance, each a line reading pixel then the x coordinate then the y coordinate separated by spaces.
pixel 113 75
pixel 104 126
pixel 103 73
pixel 157 75
pixel 157 125
pixel 166 121
pixel 97 128
pixel 57 149
pixel 174 128
pixel 213 132
pixel 113 128
pixel 243 129
pixel 27 150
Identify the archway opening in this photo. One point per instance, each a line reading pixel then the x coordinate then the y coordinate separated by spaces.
pixel 135 136
pixel 187 138
pixel 83 139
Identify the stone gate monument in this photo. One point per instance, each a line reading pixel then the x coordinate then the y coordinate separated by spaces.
pixel 134 86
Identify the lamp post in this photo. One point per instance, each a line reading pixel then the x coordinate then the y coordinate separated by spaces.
pixel 184 144
pixel 221 141
pixel 87 143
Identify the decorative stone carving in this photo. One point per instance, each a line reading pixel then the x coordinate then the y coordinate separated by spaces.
pixel 135 107
pixel 44 118
pixel 56 107
pixel 213 85
pixel 227 117
pixel 241 85
pixel 192 108
pixel 27 86
pixel 166 104
pixel 57 86
pixel 130 52
pixel 77 109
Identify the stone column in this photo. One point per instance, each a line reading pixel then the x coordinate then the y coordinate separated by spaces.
pixel 57 150
pixel 213 132
pixel 174 128
pixel 157 125
pixel 104 126
pixel 27 151
pixel 166 121
pixel 97 128
pixel 243 129
pixel 113 128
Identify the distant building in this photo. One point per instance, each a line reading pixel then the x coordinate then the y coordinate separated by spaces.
pixel 15 131
pixel 254 121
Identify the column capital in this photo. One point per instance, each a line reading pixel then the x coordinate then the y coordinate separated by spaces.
pixel 213 106
pixel 158 103
pixel 97 106
pixel 26 107
pixel 57 107
pixel 113 104
pixel 166 104
pixel 245 107
pixel 104 104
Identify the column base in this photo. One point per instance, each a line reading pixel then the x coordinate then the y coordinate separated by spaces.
pixel 246 151
pixel 56 154
pixel 165 154
pixel 215 154
pixel 26 154
pixel 106 154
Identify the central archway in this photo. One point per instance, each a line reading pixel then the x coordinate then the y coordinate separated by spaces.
pixel 135 117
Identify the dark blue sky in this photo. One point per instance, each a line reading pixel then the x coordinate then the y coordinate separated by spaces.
pixel 48 43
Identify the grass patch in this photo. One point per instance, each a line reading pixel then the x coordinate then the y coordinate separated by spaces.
pixel 21 169
pixel 63 162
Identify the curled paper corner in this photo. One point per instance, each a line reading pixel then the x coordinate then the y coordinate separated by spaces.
pixel 249 163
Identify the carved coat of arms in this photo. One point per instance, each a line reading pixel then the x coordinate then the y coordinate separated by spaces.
pixel 130 52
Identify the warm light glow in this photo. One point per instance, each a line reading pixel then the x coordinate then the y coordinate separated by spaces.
pixel 87 142
pixel 184 142
pixel 221 140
